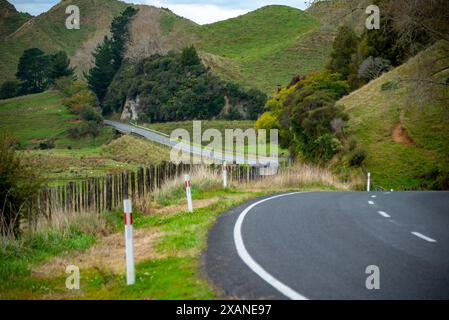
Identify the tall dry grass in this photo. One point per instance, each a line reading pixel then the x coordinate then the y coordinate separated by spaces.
pixel 300 176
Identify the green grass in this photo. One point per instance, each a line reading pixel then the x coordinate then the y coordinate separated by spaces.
pixel 34 118
pixel 266 47
pixel 373 114
pixel 176 275
pixel 220 125
pixel 48 32
pixel 41 116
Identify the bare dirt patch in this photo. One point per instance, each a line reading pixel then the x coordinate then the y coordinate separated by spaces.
pixel 108 255
pixel 400 135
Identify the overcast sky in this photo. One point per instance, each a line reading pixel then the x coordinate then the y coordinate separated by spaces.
pixel 200 11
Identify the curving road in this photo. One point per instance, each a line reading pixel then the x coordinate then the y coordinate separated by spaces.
pixel 318 245
pixel 164 139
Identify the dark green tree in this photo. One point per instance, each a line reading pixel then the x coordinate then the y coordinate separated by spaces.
pixel 33 70
pixel 101 75
pixel 343 49
pixel 120 35
pixel 109 56
pixel 60 66
pixel 189 57
pixel 9 89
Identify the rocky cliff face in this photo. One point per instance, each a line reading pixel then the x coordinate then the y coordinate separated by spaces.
pixel 131 109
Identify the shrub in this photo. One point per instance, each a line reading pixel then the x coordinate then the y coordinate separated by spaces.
pixel 357 157
pixel 9 89
pixel 19 182
pixel 373 68
pixel 47 144
pixel 326 146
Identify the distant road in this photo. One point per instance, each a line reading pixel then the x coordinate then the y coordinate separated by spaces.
pixel 163 139
pixel 318 245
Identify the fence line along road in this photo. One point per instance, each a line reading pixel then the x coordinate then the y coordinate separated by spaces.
pixel 164 139
pixel 99 194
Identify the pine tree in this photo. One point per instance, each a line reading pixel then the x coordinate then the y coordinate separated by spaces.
pixel 101 75
pixel 60 66
pixel 33 70
pixel 109 55
pixel 343 49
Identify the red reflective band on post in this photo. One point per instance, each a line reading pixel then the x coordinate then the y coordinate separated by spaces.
pixel 130 218
pixel 187 184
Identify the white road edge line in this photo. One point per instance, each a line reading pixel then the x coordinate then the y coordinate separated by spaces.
pixel 420 235
pixel 384 214
pixel 252 264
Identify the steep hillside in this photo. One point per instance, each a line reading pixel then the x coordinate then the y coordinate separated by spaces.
pixel 260 49
pixel 405 135
pixel 48 32
pixel 266 47
pixel 10 19
pixel 336 12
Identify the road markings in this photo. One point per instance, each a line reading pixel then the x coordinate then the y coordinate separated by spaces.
pixel 420 235
pixel 373 196
pixel 371 202
pixel 384 214
pixel 252 264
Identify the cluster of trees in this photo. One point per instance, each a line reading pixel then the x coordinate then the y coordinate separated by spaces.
pixel 310 123
pixel 36 71
pixel 82 102
pixel 406 27
pixel 109 54
pixel 177 86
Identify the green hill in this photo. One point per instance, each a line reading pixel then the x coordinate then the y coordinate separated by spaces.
pixel 10 19
pixel 266 47
pixel 405 136
pixel 48 32
pixel 260 49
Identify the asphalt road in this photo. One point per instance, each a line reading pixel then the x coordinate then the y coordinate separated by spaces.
pixel 318 246
pixel 163 139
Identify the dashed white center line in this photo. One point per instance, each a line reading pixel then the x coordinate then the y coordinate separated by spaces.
pixel 373 196
pixel 371 202
pixel 420 235
pixel 384 214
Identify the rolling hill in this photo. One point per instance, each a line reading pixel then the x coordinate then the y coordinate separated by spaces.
pixel 405 135
pixel 48 32
pixel 260 49
pixel 10 19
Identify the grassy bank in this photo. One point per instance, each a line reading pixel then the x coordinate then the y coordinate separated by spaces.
pixel 169 243
pixel 406 139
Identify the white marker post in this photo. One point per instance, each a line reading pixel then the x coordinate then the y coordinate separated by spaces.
pixel 368 184
pixel 130 275
pixel 225 175
pixel 188 193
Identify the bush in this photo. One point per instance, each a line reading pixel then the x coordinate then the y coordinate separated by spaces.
pixel 326 146
pixel 19 182
pixel 9 89
pixel 47 144
pixel 372 68
pixel 357 157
